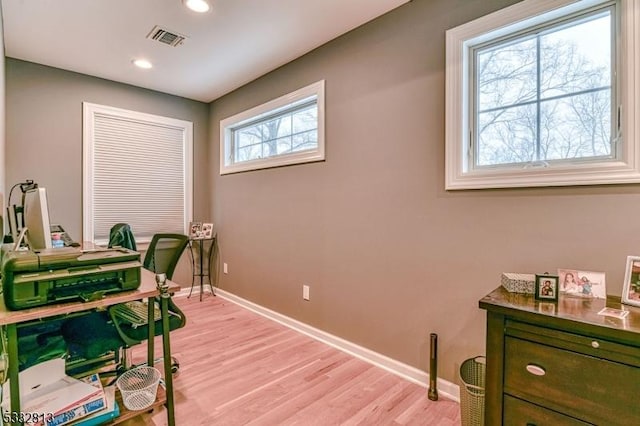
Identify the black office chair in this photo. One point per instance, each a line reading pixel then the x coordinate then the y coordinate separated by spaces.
pixel 99 334
pixel 162 258
pixel 121 235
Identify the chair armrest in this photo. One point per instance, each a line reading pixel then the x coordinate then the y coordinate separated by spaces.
pixel 173 309
pixel 120 322
pixel 117 322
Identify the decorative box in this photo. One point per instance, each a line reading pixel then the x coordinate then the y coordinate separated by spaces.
pixel 519 283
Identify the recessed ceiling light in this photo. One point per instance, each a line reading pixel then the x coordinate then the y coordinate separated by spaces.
pixel 142 63
pixel 199 6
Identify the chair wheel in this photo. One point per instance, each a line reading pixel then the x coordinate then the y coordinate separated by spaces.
pixel 175 367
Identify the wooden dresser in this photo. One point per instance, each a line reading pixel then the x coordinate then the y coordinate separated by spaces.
pixel 560 364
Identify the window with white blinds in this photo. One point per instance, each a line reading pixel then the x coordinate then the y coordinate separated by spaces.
pixel 137 170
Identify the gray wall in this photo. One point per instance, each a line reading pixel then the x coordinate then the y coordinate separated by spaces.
pixel 44 134
pixel 389 255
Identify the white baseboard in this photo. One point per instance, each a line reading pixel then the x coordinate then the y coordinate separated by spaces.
pixel 195 290
pixel 407 372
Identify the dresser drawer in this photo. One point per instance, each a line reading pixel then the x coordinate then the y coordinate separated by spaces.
pixel 582 386
pixel 521 413
pixel 574 342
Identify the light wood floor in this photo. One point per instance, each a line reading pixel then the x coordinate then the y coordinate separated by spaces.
pixel 238 368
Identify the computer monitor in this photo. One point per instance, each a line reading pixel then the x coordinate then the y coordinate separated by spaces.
pixel 36 219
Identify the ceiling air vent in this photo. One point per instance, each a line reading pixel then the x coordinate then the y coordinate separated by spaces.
pixel 165 36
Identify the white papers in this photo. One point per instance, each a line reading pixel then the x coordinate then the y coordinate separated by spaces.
pixel 45 388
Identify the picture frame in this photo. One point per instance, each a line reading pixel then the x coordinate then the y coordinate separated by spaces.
pixel 195 231
pixel 631 286
pixel 586 284
pixel 207 231
pixel 546 288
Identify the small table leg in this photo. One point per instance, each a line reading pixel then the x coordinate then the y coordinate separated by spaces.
pixel 193 267
pixel 212 257
pixel 201 270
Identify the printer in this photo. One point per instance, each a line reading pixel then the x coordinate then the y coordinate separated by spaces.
pixel 36 278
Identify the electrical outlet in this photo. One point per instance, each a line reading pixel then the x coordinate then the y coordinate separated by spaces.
pixel 305 292
pixel 225 268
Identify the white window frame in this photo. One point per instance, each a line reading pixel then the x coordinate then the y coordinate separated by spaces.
pixel 89 112
pixel 227 126
pixel 460 40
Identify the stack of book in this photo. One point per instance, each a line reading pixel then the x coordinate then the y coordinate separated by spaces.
pixel 55 399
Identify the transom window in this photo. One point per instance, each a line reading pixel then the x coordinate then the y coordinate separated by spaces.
pixel 287 130
pixel 294 130
pixel 541 93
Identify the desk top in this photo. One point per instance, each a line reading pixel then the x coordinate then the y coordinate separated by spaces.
pixel 147 289
pixel 578 310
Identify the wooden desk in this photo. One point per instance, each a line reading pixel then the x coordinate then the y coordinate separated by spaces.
pixel 148 289
pixel 560 363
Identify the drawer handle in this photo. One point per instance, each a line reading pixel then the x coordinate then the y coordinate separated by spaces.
pixel 595 344
pixel 536 370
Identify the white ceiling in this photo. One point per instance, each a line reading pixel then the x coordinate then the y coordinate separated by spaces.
pixel 227 47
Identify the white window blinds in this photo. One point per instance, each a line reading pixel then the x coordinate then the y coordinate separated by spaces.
pixel 137 171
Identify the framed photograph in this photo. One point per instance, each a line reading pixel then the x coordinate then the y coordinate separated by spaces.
pixel 582 283
pixel 195 231
pixel 546 288
pixel 207 230
pixel 631 287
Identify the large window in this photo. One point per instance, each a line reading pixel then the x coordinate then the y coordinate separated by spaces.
pixel 137 170
pixel 287 130
pixel 546 96
pixel 541 93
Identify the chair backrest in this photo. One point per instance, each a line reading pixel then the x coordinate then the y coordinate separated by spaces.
pixel 164 252
pixel 162 257
pixel 121 235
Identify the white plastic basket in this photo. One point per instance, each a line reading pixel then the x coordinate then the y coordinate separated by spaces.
pixel 138 387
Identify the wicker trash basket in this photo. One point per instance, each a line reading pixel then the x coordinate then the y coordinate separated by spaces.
pixel 472 374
